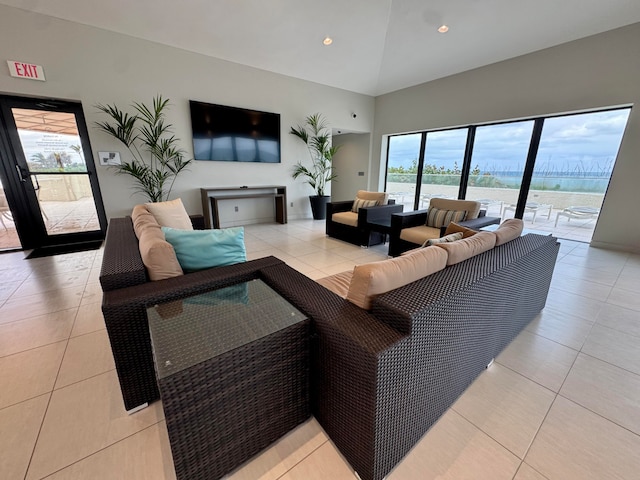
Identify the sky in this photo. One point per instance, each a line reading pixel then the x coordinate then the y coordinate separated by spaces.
pixel 574 143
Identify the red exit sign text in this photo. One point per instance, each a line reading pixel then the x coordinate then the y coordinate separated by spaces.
pixel 25 70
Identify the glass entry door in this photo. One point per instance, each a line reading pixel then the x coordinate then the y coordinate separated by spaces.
pixel 50 174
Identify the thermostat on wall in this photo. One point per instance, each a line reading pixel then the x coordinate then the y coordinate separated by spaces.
pixel 109 158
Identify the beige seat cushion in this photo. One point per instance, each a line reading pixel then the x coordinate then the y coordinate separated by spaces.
pixel 508 230
pixel 157 254
pixel 170 214
pixel 338 283
pixel 419 234
pixel 472 207
pixel 467 247
pixel 372 279
pixel 346 218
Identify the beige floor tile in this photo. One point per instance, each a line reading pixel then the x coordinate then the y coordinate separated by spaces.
pixel 606 390
pixel 625 298
pixel 339 267
pixel 89 319
pixel 86 356
pixel 563 270
pixel 615 347
pixel 324 463
pixel 315 274
pixel 454 449
pixel 20 308
pixel 84 418
pixel 574 443
pixel 284 454
pixel 584 288
pixel 573 304
pixel 619 318
pixel 321 259
pixel 542 360
pixel 19 425
pixel 7 289
pixel 29 374
pixel 506 406
pixel 525 472
pixel 629 280
pixel 143 456
pixel 92 294
pixel 35 332
pixel 561 327
pixel 35 285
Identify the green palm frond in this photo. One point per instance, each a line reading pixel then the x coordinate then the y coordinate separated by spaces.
pixel 155 169
pixel 317 138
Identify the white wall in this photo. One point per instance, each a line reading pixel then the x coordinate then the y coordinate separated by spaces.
pixel 95 66
pixel 598 71
pixel 352 158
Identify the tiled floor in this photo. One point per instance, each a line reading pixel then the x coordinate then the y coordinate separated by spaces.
pixel 562 402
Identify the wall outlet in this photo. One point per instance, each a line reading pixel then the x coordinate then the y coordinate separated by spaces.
pixel 361 174
pixel 291 204
pixel 236 208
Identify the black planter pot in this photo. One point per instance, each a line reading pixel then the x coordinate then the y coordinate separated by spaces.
pixel 319 206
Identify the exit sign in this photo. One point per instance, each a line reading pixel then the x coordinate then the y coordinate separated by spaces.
pixel 26 70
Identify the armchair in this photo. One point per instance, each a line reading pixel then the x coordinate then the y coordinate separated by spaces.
pixel 355 227
pixel 410 229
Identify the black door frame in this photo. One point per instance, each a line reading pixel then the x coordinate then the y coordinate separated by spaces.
pixel 21 196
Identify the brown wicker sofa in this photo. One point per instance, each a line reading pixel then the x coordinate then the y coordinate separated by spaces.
pixel 380 378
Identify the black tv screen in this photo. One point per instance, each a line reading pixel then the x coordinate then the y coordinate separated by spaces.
pixel 230 134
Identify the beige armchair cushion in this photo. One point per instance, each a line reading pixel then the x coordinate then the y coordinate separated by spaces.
pixel 381 198
pixel 453 227
pixel 372 279
pixel 338 283
pixel 467 247
pixel 472 208
pixel 346 218
pixel 419 234
pixel 508 230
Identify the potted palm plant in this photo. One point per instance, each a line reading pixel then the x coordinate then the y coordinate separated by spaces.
pixel 315 134
pixel 156 159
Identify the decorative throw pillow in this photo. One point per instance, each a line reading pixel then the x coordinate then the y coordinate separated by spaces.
pixel 200 249
pixel 439 218
pixel 453 227
pixel 452 237
pixel 170 214
pixel 359 203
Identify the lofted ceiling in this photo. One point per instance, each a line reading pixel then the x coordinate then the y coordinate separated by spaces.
pixel 378 46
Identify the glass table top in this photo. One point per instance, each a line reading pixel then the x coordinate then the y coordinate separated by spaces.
pixel 189 331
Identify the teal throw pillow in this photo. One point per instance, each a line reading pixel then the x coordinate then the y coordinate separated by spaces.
pixel 201 249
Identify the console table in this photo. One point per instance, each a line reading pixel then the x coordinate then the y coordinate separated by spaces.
pixel 233 369
pixel 211 197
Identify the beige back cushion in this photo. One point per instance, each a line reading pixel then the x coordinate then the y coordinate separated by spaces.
pixel 372 279
pixel 157 254
pixel 508 230
pixel 170 214
pixel 472 207
pixel 468 247
pixel 419 234
pixel 338 283
pixel 380 197
pixel 453 227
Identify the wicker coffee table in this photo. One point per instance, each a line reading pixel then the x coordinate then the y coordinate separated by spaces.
pixel 233 372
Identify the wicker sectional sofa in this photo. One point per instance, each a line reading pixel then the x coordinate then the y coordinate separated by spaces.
pixel 380 378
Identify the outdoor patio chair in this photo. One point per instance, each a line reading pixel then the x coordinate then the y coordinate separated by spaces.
pixel 583 213
pixel 531 207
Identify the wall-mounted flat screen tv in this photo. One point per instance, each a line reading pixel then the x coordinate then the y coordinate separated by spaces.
pixel 230 134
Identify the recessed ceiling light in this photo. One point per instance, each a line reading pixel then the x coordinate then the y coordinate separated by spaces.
pixel 443 29
pixel 327 41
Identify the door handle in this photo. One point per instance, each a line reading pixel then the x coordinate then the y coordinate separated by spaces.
pixel 23 173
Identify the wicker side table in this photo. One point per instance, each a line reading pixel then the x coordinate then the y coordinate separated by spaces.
pixel 233 373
